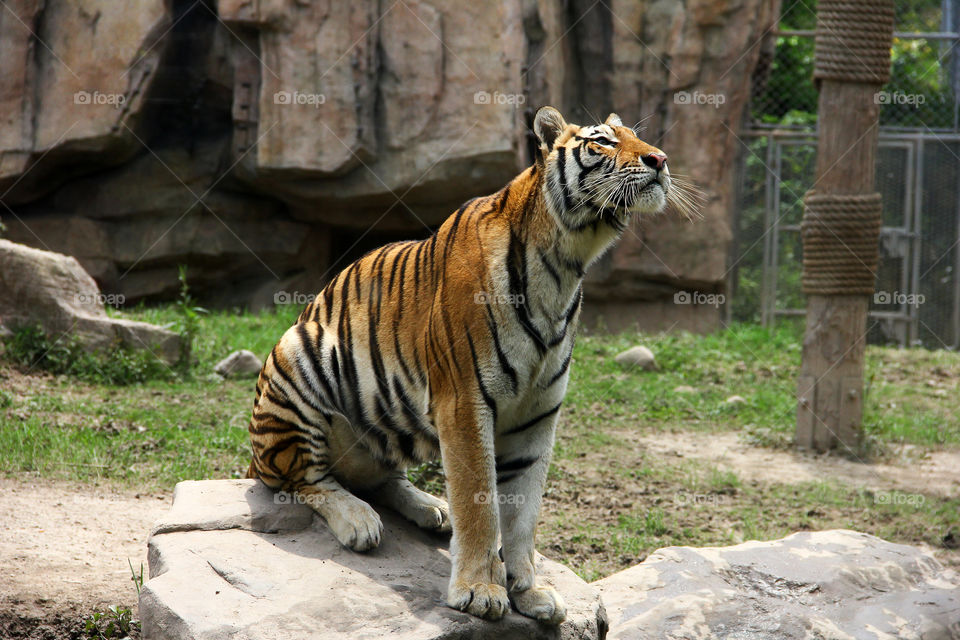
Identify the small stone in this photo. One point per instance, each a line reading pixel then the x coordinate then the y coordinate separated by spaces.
pixel 638 356
pixel 684 388
pixel 239 364
pixel 733 400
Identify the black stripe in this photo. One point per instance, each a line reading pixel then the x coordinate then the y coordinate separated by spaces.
pixel 404 440
pixel 413 416
pixel 288 404
pixel 562 162
pixel 456 225
pixel 396 347
pixel 517 274
pixel 529 423
pixel 551 270
pixel 416 268
pixel 328 301
pixel 503 200
pixel 393 271
pixel 313 355
pixel 376 358
pixel 509 470
pixel 487 398
pixel 563 368
pixel 501 356
pixel 307 400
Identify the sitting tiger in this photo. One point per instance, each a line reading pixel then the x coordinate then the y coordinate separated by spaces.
pixel 458 345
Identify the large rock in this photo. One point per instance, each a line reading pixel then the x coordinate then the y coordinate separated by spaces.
pixel 832 585
pixel 319 117
pixel 53 290
pixel 231 560
pixel 71 95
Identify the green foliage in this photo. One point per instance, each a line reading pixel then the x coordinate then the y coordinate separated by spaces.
pixel 136 577
pixel 115 623
pixel 189 322
pixel 917 95
pixel 428 477
pixel 30 347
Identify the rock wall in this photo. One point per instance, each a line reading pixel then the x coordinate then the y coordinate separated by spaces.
pixel 265 143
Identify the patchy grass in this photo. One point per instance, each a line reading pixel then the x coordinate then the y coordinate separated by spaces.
pixel 609 502
pixel 152 434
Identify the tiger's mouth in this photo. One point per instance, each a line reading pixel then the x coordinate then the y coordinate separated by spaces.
pixel 643 194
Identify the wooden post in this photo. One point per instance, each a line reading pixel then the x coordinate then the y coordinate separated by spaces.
pixel 830 385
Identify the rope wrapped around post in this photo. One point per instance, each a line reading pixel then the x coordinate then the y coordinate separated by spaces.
pixel 853 40
pixel 840 243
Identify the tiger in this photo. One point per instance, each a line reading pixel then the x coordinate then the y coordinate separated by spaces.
pixel 457 346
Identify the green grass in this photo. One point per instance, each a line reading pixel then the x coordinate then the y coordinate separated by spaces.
pixel 150 434
pixel 760 365
pixel 175 425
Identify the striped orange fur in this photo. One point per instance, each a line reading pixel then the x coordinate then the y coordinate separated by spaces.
pixel 456 346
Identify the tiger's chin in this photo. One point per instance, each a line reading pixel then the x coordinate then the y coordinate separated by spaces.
pixel 652 199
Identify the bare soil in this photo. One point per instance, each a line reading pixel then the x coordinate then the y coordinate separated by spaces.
pixel 909 470
pixel 65 550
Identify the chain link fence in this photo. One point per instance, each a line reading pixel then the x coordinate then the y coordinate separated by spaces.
pixel 917 300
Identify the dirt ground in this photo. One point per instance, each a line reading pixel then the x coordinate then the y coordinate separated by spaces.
pixel 933 472
pixel 64 550
pixel 65 547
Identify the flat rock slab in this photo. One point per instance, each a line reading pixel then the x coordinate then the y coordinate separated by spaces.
pixel 231 559
pixel 828 585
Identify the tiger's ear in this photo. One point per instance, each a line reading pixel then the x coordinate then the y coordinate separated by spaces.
pixel 614 120
pixel 548 124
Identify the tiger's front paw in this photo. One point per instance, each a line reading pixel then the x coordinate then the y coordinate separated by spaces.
pixel 356 525
pixel 488 601
pixel 540 603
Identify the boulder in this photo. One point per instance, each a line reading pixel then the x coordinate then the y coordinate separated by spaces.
pixel 53 290
pixel 239 364
pixel 222 134
pixel 71 100
pixel 834 585
pixel 233 559
pixel 638 356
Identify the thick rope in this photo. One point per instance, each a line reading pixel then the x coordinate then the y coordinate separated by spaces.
pixel 853 40
pixel 841 235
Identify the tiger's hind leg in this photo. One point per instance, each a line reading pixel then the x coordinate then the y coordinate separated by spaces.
pixel 301 445
pixel 310 479
pixel 425 510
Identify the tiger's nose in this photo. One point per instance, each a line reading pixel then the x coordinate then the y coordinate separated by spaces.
pixel 655 160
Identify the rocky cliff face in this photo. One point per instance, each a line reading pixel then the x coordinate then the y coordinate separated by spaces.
pixel 267 142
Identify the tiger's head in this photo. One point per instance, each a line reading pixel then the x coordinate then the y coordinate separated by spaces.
pixel 602 174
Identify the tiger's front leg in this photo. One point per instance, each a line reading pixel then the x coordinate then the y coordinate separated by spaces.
pixel 521 478
pixel 478 579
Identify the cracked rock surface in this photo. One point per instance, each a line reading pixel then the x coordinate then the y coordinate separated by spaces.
pixel 228 561
pixel 233 560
